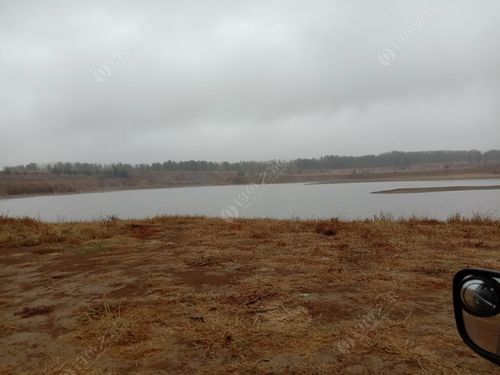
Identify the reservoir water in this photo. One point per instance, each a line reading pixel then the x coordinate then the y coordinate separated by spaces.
pixel 286 201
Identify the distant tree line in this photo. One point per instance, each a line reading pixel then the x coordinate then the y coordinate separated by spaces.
pixel 123 170
pixel 397 159
pixel 388 159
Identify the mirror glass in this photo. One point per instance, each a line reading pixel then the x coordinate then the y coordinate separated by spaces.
pixel 485 332
pixel 480 314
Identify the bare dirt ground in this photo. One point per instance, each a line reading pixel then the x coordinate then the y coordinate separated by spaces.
pixel 194 295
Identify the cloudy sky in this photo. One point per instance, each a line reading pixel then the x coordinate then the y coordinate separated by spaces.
pixel 144 81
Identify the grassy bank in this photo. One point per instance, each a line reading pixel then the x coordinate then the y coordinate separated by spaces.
pixel 178 294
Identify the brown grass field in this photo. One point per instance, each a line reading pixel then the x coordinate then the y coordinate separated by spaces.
pixel 192 295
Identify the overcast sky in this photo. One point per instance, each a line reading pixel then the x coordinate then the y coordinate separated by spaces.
pixel 144 81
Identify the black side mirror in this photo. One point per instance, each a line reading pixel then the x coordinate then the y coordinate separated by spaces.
pixel 476 300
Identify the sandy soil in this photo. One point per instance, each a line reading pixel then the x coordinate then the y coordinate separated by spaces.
pixel 205 296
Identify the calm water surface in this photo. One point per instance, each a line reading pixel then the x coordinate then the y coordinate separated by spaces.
pixel 297 200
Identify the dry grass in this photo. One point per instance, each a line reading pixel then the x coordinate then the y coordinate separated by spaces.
pixel 179 295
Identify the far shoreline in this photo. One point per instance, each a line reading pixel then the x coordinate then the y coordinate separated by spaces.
pixel 436 189
pixel 306 182
pixel 111 190
pixel 407 179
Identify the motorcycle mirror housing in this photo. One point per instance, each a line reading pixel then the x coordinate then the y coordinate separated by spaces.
pixel 476 302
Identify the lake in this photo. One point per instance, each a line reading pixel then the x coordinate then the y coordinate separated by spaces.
pixel 295 200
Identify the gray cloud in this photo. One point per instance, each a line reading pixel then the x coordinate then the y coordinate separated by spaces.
pixel 230 80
